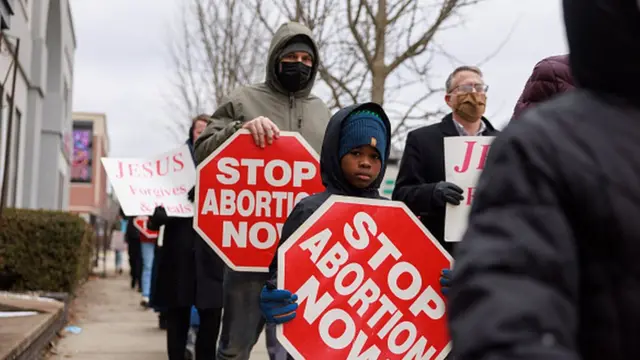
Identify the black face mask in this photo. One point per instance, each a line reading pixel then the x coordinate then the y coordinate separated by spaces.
pixel 294 76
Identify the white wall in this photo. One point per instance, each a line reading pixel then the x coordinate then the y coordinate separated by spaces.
pixel 43 97
pixel 19 28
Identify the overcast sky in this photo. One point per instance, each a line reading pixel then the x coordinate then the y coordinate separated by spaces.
pixel 122 67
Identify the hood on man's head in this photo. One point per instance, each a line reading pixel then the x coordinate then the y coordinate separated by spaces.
pixel 603 37
pixel 330 168
pixel 295 44
pixel 281 39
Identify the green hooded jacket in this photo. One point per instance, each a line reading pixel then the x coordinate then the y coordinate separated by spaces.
pixel 301 111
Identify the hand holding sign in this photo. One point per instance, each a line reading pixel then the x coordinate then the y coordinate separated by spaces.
pixel 261 127
pixel 278 306
pixel 447 193
pixel 244 194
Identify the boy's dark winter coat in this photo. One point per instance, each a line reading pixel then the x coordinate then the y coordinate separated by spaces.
pixel 331 172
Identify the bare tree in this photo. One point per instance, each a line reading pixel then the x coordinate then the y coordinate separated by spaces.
pixel 376 50
pixel 217 49
pixel 371 50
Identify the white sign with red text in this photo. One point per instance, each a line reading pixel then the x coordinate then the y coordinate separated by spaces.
pixel 143 184
pixel 464 158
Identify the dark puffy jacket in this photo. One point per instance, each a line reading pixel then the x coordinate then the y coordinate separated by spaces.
pixel 551 76
pixel 548 268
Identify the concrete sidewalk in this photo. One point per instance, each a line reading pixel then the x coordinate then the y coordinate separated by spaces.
pixel 114 326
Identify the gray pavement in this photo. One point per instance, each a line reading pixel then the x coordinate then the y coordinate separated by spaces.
pixel 114 326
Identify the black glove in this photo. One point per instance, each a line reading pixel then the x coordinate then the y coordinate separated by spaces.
pixel 191 195
pixel 446 192
pixel 158 218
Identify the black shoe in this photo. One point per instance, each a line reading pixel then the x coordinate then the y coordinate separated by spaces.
pixel 133 284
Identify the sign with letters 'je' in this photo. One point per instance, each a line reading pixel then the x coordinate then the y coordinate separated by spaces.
pixel 366 273
pixel 244 194
pixel 464 158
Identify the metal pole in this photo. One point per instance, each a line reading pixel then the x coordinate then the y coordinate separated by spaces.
pixel 7 154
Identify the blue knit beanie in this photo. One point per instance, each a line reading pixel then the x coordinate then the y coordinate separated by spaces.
pixel 363 128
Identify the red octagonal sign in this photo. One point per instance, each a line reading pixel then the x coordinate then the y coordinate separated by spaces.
pixel 140 222
pixel 366 273
pixel 244 194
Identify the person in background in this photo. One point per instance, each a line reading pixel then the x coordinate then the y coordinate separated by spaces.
pixel 282 102
pixel 421 182
pixel 132 237
pixel 551 76
pixel 154 298
pixel 189 273
pixel 118 244
pixel 548 268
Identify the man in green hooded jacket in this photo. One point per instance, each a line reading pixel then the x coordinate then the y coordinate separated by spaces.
pixel 282 102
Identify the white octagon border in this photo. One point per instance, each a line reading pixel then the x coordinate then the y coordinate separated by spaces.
pixel 209 159
pixel 297 235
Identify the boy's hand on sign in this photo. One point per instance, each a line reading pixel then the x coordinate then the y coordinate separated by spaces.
pixel 261 128
pixel 278 306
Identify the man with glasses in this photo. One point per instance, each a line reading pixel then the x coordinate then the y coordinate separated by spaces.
pixel 421 179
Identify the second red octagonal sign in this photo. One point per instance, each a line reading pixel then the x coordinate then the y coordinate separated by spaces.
pixel 244 194
pixel 366 275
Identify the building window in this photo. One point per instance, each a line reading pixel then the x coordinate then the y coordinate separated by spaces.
pixel 81 165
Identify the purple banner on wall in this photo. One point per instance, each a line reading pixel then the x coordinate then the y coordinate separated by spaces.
pixel 81 166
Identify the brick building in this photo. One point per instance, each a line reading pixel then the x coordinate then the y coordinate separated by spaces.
pixel 89 194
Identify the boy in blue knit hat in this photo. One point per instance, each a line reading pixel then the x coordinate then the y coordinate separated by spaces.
pixel 352 163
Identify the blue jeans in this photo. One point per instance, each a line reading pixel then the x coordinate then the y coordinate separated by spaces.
pixel 242 320
pixel 118 254
pixel 148 250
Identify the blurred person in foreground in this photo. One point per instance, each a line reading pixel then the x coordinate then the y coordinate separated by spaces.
pixel 548 268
